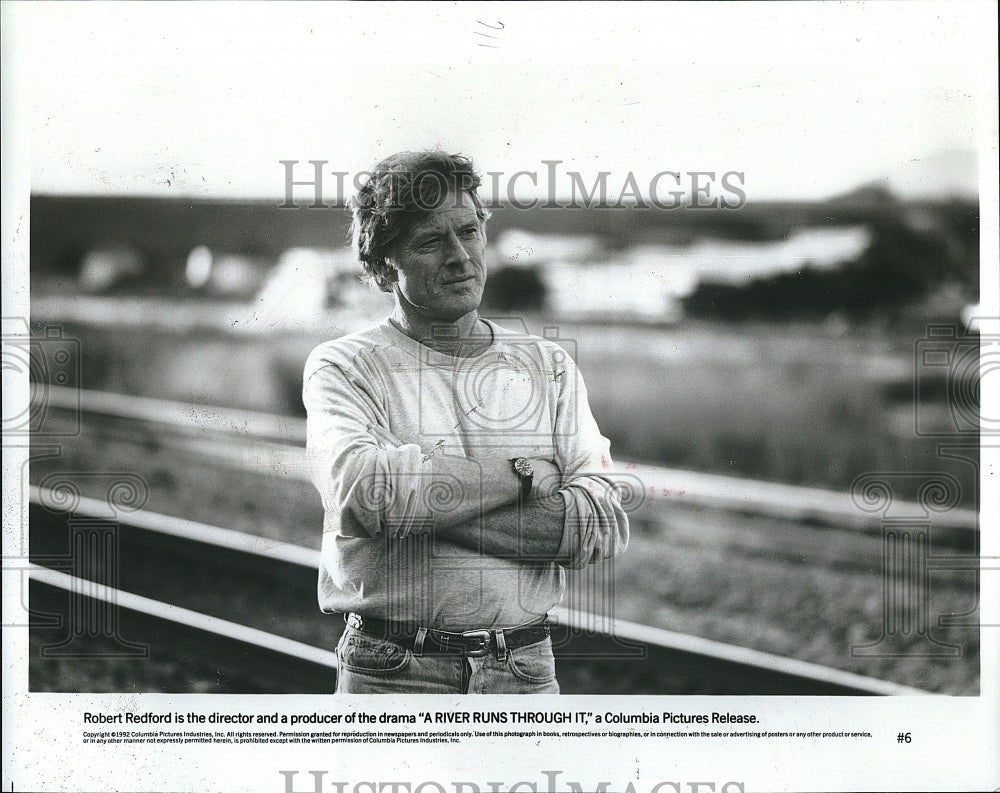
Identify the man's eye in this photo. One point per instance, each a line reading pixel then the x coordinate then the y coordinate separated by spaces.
pixel 472 231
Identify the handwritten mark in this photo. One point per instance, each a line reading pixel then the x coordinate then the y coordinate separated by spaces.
pixel 469 412
pixel 437 447
pixel 499 26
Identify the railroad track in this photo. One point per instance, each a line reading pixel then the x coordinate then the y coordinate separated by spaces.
pixel 153 588
pixel 203 452
pixel 274 445
pixel 181 589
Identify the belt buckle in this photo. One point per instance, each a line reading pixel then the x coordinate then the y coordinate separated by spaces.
pixel 484 643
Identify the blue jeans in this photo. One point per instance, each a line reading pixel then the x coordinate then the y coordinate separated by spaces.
pixel 372 665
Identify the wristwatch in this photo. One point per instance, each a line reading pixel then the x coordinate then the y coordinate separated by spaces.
pixel 525 473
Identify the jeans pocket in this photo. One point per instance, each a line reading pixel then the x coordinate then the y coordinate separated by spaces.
pixel 533 663
pixel 369 655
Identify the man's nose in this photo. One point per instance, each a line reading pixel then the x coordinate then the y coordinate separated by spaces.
pixel 455 251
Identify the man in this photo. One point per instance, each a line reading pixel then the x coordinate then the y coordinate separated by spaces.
pixel 456 459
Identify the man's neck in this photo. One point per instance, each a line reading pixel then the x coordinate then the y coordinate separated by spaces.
pixel 465 337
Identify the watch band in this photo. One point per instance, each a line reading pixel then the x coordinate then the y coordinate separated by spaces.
pixel 522 467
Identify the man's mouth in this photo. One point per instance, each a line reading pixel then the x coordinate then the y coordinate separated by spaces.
pixel 459 280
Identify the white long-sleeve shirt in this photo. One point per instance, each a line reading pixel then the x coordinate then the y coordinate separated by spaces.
pixel 522 397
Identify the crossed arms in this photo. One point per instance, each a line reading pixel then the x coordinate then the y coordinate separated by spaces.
pixel 377 485
pixel 532 529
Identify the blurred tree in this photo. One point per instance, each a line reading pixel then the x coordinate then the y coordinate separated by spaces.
pixel 515 289
pixel 911 254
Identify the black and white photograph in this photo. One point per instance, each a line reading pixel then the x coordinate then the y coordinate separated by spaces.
pixel 637 357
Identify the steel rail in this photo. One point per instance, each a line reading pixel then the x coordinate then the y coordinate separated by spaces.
pixel 130 601
pixel 266 443
pixel 259 547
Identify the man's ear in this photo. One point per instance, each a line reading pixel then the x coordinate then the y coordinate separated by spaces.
pixel 385 275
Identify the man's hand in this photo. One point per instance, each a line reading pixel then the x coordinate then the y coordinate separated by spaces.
pixel 501 484
pixel 547 478
pixel 384 437
pixel 502 528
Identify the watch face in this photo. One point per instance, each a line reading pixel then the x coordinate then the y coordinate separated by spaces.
pixel 523 467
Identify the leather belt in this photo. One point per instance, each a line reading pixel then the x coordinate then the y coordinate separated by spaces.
pixel 474 643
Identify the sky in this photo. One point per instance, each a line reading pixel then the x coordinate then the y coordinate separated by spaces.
pixel 205 100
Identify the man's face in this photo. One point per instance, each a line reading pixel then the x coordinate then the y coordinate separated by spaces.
pixel 439 264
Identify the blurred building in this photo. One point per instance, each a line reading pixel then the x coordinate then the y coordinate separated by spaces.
pixel 736 262
pixel 223 275
pixel 306 286
pixel 102 269
pixel 519 248
pixel 648 283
